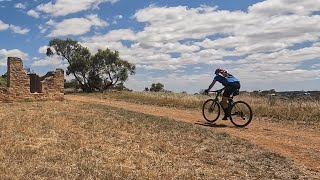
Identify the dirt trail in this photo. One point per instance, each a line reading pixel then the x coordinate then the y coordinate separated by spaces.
pixel 300 145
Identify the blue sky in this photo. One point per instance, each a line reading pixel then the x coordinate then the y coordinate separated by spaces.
pixel 271 44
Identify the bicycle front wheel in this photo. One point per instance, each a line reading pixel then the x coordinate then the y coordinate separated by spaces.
pixel 211 110
pixel 241 114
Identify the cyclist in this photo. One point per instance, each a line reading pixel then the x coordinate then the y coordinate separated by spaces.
pixel 231 86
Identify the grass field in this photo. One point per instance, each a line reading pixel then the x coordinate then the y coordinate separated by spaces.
pixel 71 140
pixel 301 112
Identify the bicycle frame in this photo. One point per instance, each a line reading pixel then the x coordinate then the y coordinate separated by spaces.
pixel 218 93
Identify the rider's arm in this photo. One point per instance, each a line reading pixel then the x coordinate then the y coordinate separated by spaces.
pixel 212 84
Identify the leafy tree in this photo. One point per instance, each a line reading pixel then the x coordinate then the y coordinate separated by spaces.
pixel 121 87
pixel 4 75
pixel 101 71
pixel 110 68
pixel 272 91
pixel 78 57
pixel 73 83
pixel 157 87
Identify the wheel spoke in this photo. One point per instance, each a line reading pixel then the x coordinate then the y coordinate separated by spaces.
pixel 241 114
pixel 211 110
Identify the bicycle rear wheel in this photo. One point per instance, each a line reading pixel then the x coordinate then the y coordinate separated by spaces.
pixel 211 110
pixel 241 114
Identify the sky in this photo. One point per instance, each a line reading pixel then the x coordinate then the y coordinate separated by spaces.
pixel 271 44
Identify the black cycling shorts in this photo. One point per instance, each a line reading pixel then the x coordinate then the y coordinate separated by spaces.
pixel 231 88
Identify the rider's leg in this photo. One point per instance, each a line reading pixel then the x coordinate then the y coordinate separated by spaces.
pixel 229 90
pixel 225 107
pixel 226 95
pixel 224 102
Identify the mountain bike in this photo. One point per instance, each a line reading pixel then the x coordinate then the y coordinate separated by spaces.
pixel 240 111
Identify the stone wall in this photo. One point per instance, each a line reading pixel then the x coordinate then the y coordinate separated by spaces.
pixel 54 83
pixel 18 81
pixel 3 94
pixel 18 84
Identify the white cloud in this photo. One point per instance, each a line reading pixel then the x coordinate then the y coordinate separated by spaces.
pixel 43 49
pixel 33 13
pixel 51 22
pixel 286 56
pixel 316 66
pixel 169 47
pixel 3 26
pixel 19 30
pixel 178 23
pixel 116 18
pixel 42 29
pixel 251 32
pixel 49 61
pixel 4 54
pixel 20 6
pixel 77 26
pixel 65 7
pixel 167 26
pixel 15 29
pixel 271 40
pixel 222 43
pixel 114 36
pixel 284 7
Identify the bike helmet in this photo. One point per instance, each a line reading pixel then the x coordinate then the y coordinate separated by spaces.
pixel 220 70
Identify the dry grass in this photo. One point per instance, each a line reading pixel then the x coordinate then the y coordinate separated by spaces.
pixel 70 140
pixel 302 112
pixel 179 100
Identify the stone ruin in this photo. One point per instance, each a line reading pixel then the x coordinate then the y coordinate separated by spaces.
pixel 31 87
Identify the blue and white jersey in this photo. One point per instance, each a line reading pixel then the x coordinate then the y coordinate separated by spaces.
pixel 225 80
